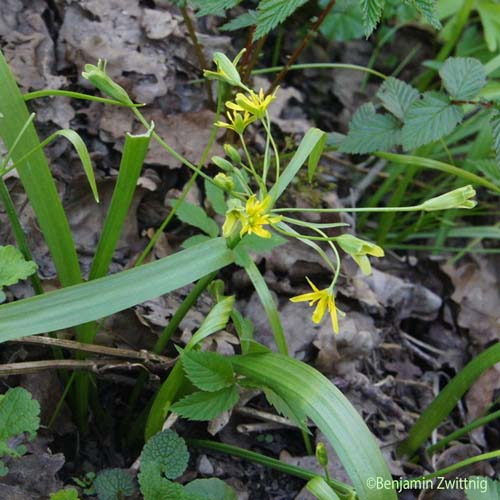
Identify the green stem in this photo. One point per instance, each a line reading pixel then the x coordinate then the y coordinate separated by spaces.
pixel 292 470
pixel 76 95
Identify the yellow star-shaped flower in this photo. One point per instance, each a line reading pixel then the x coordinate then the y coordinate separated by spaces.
pixel 256 216
pixel 255 104
pixel 325 302
pixel 237 121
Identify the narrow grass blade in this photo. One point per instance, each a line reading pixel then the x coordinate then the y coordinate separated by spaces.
pixel 447 399
pixel 418 161
pixel 99 298
pixel 36 178
pixel 133 155
pixel 321 489
pixel 303 386
pixel 265 297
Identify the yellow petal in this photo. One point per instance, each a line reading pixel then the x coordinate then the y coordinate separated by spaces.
pixel 312 285
pixel 333 315
pixel 261 232
pixel 320 310
pixel 306 297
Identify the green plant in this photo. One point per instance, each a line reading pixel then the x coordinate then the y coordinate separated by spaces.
pixel 14 268
pixel 114 484
pixel 66 494
pixel 19 415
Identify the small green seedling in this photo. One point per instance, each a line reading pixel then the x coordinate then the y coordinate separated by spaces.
pixel 13 267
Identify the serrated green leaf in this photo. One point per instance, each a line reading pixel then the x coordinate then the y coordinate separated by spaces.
pixel 215 196
pixel 66 494
pixel 463 77
pixel 206 405
pixel 370 131
pixel 168 451
pixel 372 12
pixel 213 7
pixel 114 484
pixel 489 12
pixel 196 216
pixel 429 119
pixel 270 13
pixel 211 489
pixel 495 132
pixel 244 20
pixel 344 22
pixel 19 414
pixel 397 96
pixel 13 266
pixel 208 371
pixel 428 10
pixel 294 413
pixel 482 488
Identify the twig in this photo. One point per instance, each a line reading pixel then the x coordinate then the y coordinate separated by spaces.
pixel 142 355
pixel 302 46
pixel 96 366
pixel 265 416
pixel 199 52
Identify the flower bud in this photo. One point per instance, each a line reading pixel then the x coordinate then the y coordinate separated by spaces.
pixel 226 70
pixel 224 182
pixel 321 454
pixel 458 198
pixel 233 153
pixel 97 76
pixel 222 163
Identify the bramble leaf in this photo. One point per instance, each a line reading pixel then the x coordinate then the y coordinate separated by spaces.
pixel 168 451
pixel 210 489
pixel 429 119
pixel 397 96
pixel 208 371
pixel 370 131
pixel 213 7
pixel 206 405
pixel 495 131
pixel 114 484
pixel 270 13
pixel 428 10
pixel 372 12
pixel 489 12
pixel 463 77
pixel 245 20
pixel 344 22
pixel 66 494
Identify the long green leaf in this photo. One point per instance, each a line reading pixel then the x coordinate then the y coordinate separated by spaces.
pixel 99 298
pixel 36 178
pixel 447 399
pixel 265 297
pixel 133 155
pixel 301 385
pixel 307 146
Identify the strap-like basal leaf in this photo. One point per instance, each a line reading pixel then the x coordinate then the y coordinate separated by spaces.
pixel 370 131
pixel 429 119
pixel 463 77
pixel 303 386
pixel 489 12
pixel 99 298
pixel 208 371
pixel 397 96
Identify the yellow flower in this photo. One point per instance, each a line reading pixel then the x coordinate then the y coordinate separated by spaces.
pixel 359 249
pixel 255 217
pixel 325 302
pixel 255 104
pixel 237 121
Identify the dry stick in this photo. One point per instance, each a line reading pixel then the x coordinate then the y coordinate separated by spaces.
pixel 253 60
pixel 96 365
pixel 302 46
pixel 199 52
pixel 142 355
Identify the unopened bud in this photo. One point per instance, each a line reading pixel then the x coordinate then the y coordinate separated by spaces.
pixel 321 454
pixel 224 182
pixel 458 198
pixel 232 152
